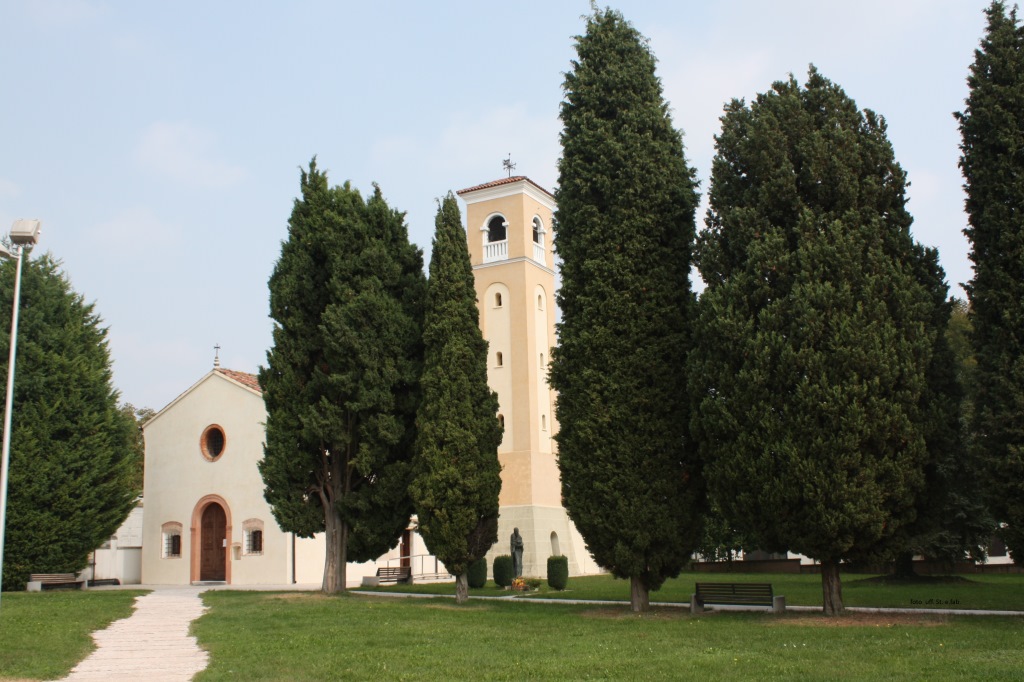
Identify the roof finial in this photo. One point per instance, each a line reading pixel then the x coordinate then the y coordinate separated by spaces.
pixel 508 165
pixel 216 355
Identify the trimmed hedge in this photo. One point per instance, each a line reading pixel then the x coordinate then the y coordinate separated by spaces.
pixel 503 570
pixel 477 573
pixel 558 572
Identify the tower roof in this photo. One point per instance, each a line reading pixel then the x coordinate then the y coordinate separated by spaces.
pixel 503 181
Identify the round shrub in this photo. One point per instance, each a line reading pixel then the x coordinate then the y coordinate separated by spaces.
pixel 477 573
pixel 558 572
pixel 503 570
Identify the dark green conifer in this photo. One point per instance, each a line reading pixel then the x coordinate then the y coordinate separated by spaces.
pixel 625 226
pixel 813 336
pixel 458 476
pixel 992 126
pixel 73 467
pixel 952 521
pixel 341 383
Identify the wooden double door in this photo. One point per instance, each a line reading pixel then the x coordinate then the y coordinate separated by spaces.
pixel 213 551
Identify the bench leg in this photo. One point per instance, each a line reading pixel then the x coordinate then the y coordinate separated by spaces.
pixel 778 604
pixel 696 606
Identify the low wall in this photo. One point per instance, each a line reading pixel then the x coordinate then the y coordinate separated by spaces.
pixel 756 566
pixel 794 566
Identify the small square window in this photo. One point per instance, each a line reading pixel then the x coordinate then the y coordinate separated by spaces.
pixel 172 545
pixel 254 542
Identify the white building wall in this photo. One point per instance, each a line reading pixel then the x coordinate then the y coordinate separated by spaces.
pixel 121 559
pixel 178 477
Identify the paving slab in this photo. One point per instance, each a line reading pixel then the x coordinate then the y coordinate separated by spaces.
pixel 152 644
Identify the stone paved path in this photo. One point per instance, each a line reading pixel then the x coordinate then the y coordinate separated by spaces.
pixel 152 644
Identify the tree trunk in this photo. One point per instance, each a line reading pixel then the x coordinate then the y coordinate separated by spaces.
pixel 831 588
pixel 903 567
pixel 462 587
pixel 640 597
pixel 334 566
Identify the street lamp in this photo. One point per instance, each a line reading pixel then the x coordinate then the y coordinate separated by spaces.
pixel 23 233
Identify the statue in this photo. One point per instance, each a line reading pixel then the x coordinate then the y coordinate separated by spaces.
pixel 517 554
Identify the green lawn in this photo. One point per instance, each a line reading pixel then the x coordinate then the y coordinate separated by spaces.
pixel 1000 592
pixel 304 636
pixel 43 635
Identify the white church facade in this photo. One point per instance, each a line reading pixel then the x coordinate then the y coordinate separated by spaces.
pixel 205 518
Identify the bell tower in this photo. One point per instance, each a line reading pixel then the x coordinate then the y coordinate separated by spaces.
pixel 509 233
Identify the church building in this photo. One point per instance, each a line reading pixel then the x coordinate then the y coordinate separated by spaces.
pixel 205 518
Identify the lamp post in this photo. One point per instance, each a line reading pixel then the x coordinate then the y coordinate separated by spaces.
pixel 23 233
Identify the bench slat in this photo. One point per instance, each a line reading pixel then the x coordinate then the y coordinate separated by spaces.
pixel 396 573
pixel 53 577
pixel 750 594
pixel 48 581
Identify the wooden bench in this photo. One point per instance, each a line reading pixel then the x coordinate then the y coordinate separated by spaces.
pixel 53 581
pixel 736 594
pixel 394 574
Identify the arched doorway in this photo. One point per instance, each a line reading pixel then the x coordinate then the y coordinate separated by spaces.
pixel 211 530
pixel 213 558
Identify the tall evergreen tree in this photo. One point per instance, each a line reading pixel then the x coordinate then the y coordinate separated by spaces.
pixel 73 470
pixel 458 476
pixel 813 336
pixel 625 228
pixel 952 521
pixel 137 416
pixel 992 126
pixel 341 381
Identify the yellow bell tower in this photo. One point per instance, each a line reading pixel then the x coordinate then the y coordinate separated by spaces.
pixel 508 226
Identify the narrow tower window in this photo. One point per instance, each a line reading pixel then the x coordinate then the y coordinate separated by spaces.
pixel 497 300
pixel 498 359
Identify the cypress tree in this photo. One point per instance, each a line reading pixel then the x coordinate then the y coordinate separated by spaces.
pixel 992 127
pixel 625 227
pixel 458 476
pixel 73 477
pixel 952 520
pixel 813 336
pixel 341 381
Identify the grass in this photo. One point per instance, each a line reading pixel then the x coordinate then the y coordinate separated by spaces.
pixel 308 636
pixel 43 635
pixel 989 592
pixel 305 636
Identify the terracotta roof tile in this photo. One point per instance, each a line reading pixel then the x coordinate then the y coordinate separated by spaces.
pixel 247 380
pixel 504 181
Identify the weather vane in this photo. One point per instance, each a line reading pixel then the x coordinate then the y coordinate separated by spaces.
pixel 508 165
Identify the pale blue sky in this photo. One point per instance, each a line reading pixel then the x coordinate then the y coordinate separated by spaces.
pixel 160 143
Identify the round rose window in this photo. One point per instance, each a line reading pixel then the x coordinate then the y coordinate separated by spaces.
pixel 212 442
